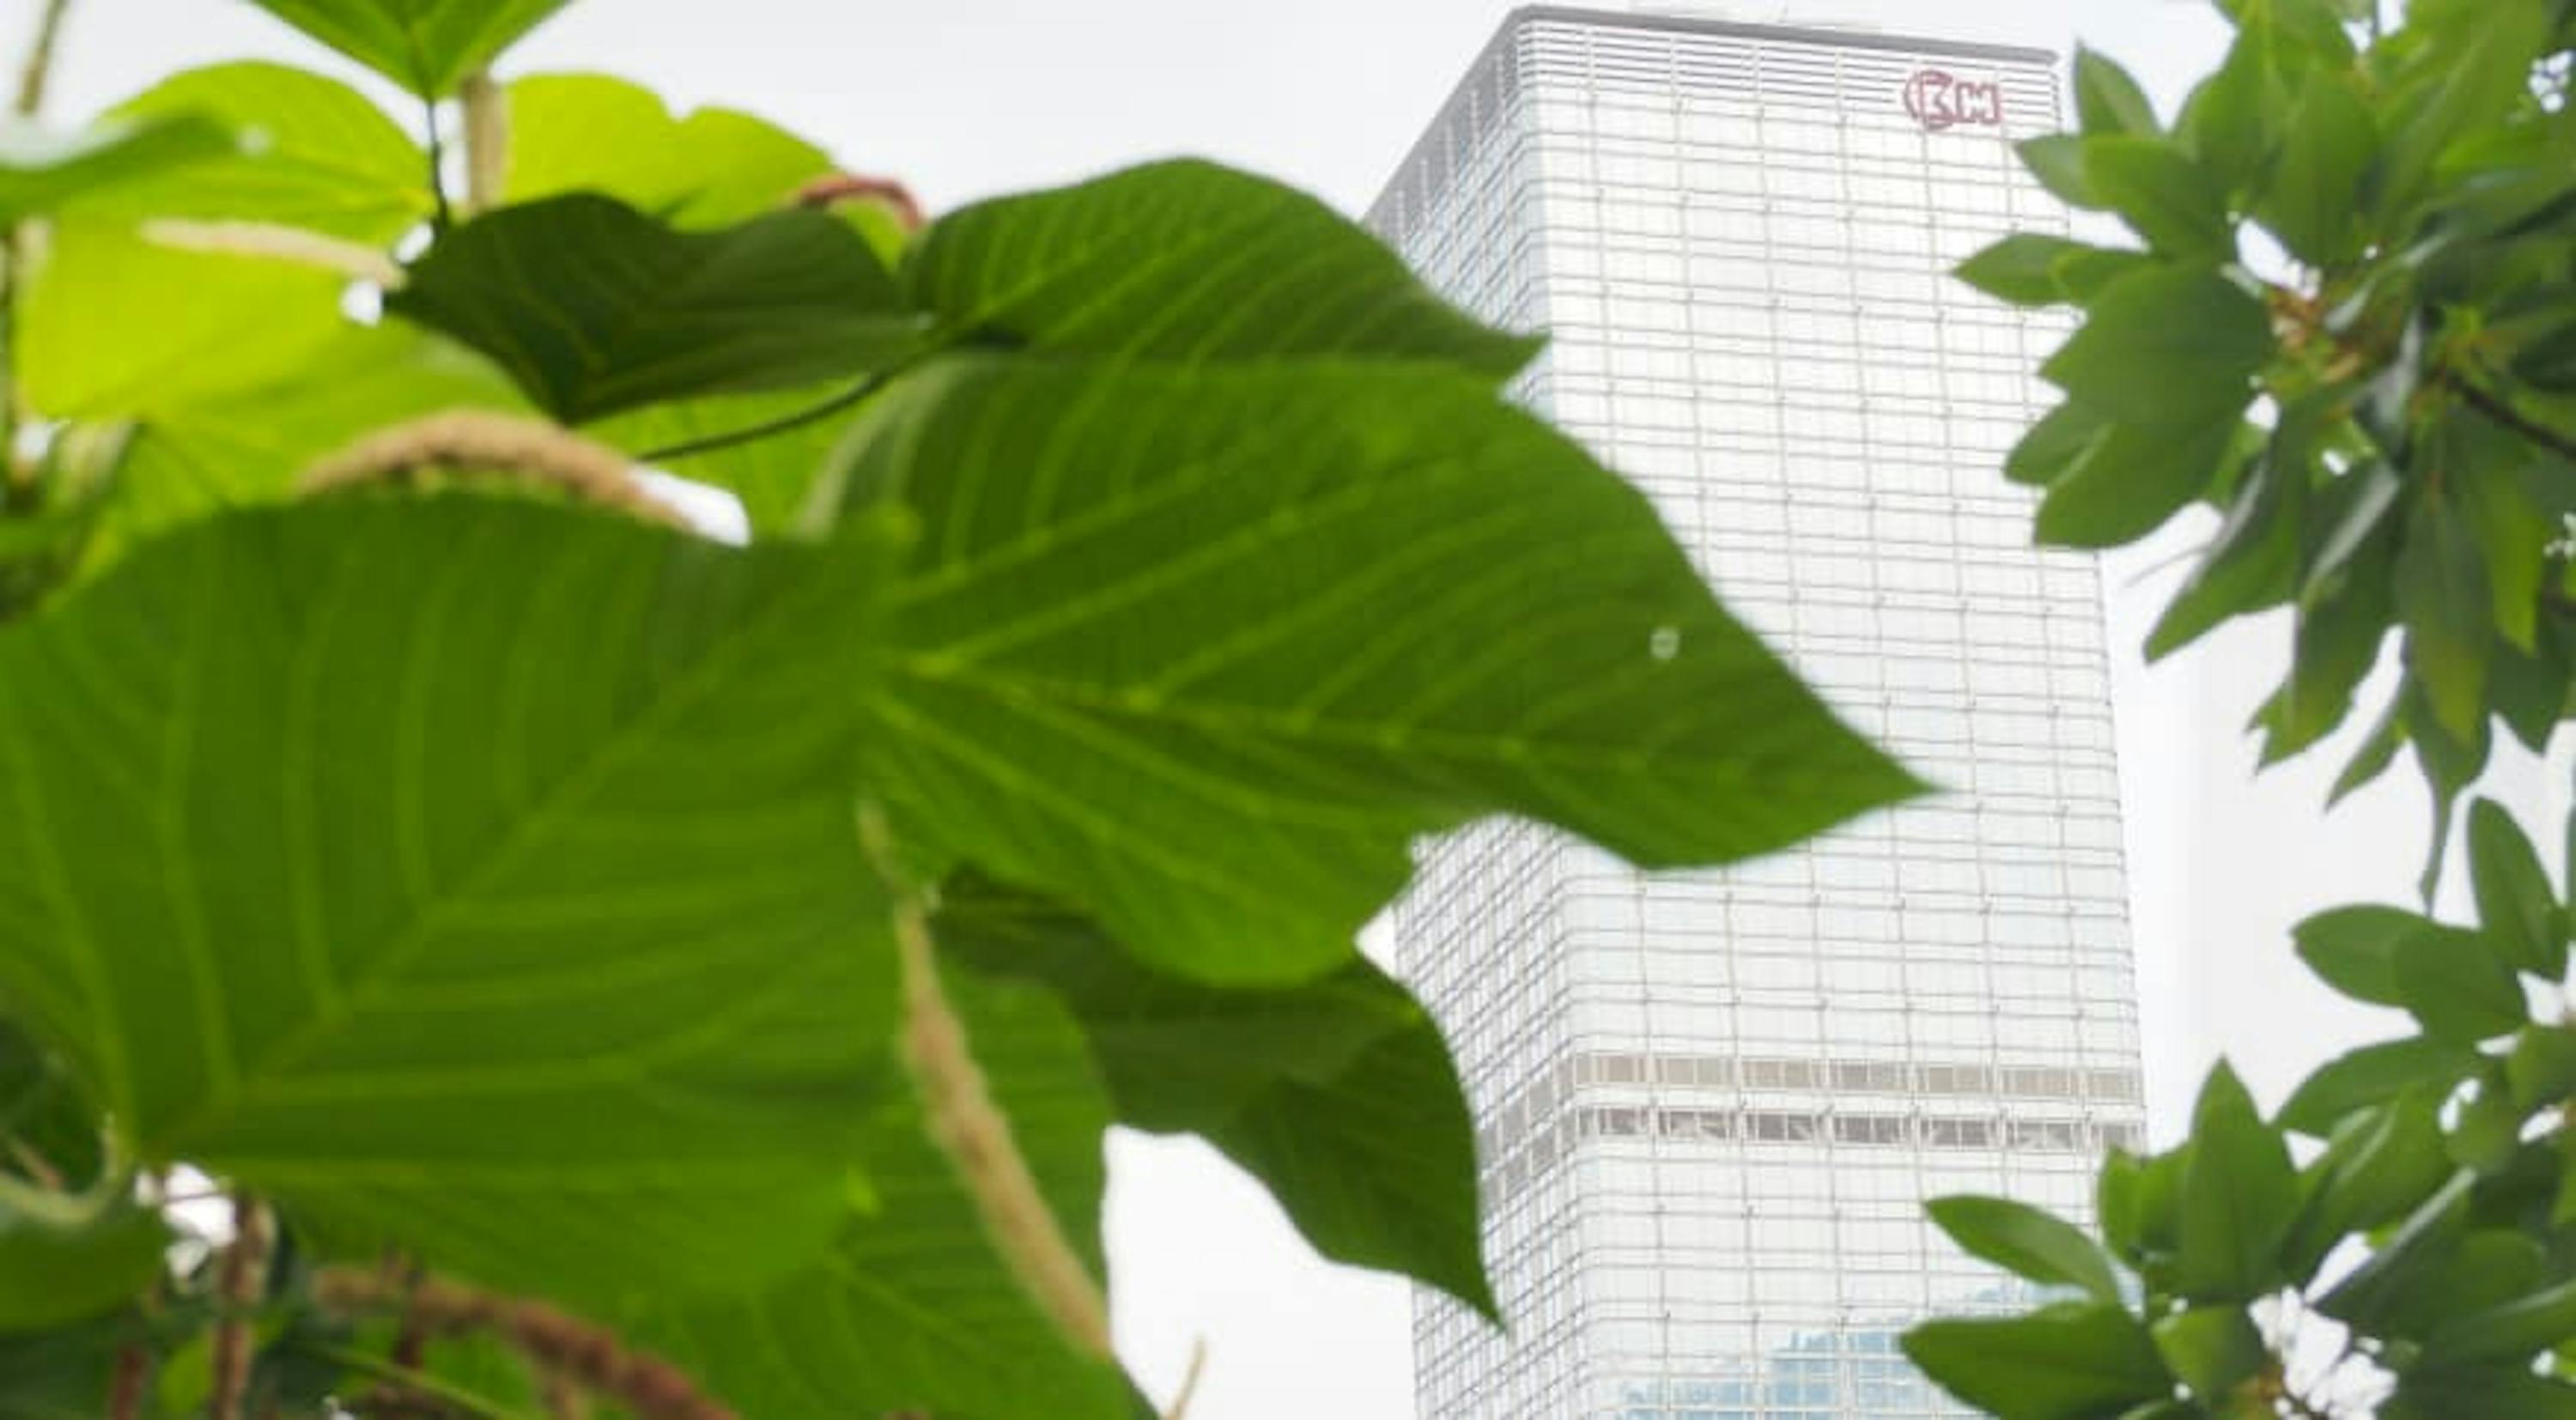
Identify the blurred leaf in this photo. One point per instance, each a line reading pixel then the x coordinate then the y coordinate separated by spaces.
pixel 593 307
pixel 2541 1068
pixel 2165 197
pixel 2023 268
pixel 2027 1242
pixel 2380 1165
pixel 2371 1074
pixel 2058 161
pixel 320 156
pixel 2404 1261
pixel 2513 1332
pixel 2443 601
pixel 1339 1095
pixel 2166 347
pixel 2107 100
pixel 43 1112
pixel 2354 949
pixel 2238 1195
pixel 2130 481
pixel 2055 444
pixel 65 1259
pixel 2488 1393
pixel 427 46
pixel 1190 262
pixel 2516 904
pixel 41 169
pixel 2249 566
pixel 1142 697
pixel 2454 984
pixel 2211 1349
pixel 2063 1362
pixel 470 873
pixel 2311 200
pixel 591 133
pixel 2488 1129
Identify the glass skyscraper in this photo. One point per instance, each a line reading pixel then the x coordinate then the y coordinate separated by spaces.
pixel 1710 1105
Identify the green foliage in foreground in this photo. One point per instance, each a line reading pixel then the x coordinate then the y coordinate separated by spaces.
pixel 589 953
pixel 2389 431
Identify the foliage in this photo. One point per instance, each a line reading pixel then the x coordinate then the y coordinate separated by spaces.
pixel 2346 328
pixel 590 954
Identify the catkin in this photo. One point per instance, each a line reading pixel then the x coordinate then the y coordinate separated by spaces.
pixel 470 442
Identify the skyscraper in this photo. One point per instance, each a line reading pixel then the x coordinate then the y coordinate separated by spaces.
pixel 1710 1104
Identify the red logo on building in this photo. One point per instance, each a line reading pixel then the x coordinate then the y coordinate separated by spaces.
pixel 1942 100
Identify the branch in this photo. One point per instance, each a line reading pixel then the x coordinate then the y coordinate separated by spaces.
pixel 970 1129
pixel 2493 406
pixel 588 1354
pixel 238 1287
pixel 40 59
pixel 126 1385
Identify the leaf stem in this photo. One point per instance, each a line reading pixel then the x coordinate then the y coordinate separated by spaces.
pixel 2493 406
pixel 830 405
pixel 125 1386
pixel 441 216
pixel 39 66
pixel 487 140
pixel 969 1128
pixel 238 1287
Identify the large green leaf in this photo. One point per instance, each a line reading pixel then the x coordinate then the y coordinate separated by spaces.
pixel 1187 261
pixel 2354 948
pixel 116 327
pixel 1198 652
pixel 2028 1242
pixel 911 1311
pixel 2516 905
pixel 319 156
pixel 594 307
pixel 427 46
pixel 774 474
pixel 2239 1195
pixel 592 133
pixel 1338 1094
pixel 466 873
pixel 41 169
pixel 2066 1362
pixel 2369 1074
pixel 2166 345
pixel 65 1259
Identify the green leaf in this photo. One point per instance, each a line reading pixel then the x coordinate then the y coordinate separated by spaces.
pixel 469 874
pixel 2211 1349
pixel 1339 1094
pixel 115 327
pixel 591 133
pixel 2232 118
pixel 910 1311
pixel 2404 1262
pixel 2489 1393
pixel 2443 600
pixel 2354 949
pixel 2488 1128
pixel 2056 444
pixel 2166 346
pixel 2118 1191
pixel 774 475
pixel 2457 987
pixel 2381 1163
pixel 2025 1241
pixel 320 156
pixel 2541 1068
pixel 41 170
pixel 2063 1362
pixel 2312 198
pixel 2022 268
pixel 593 307
pixel 2163 194
pixel 2513 1332
pixel 64 1374
pixel 65 1259
pixel 2107 100
pixel 2058 161
pixel 2252 563
pixel 427 46
pixel 2130 481
pixel 2371 1074
pixel 2239 1193
pixel 1187 261
pixel 43 1113
pixel 1198 652
pixel 2516 904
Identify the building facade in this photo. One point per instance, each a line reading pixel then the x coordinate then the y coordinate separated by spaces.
pixel 1710 1105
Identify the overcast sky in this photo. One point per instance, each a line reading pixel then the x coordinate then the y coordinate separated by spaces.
pixel 966 97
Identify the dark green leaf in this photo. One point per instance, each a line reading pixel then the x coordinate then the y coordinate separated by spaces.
pixel 2211 1349
pixel 2055 444
pixel 2488 1393
pixel 2117 1193
pixel 2541 1068
pixel 466 873
pixel 2443 600
pixel 2026 1241
pixel 2516 905
pixel 911 1311
pixel 2126 484
pixel 1188 261
pixel 1338 1094
pixel 2405 1261
pixel 41 170
pixel 65 1259
pixel 2380 1165
pixel 1137 691
pixel 2312 199
pixel 2377 751
pixel 2164 195
pixel 2107 100
pixel 2370 1075
pixel 427 46
pixel 591 133
pixel 325 159
pixel 2488 1130
pixel 2166 346
pixel 593 307
pixel 2058 1363
pixel 2455 984
pixel 2022 268
pixel 2251 564
pixel 2354 949
pixel 2340 632
pixel 43 1115
pixel 64 1374
pixel 2239 1193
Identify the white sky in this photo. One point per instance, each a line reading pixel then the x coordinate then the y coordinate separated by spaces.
pixel 962 98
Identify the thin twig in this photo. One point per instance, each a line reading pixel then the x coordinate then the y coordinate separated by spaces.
pixel 126 1386
pixel 39 66
pixel 830 405
pixel 969 1128
pixel 440 217
pixel 37 1166
pixel 487 140
pixel 1180 1407
pixel 238 1288
pixel 2493 406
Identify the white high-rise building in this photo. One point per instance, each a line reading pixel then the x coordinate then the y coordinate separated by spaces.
pixel 1710 1105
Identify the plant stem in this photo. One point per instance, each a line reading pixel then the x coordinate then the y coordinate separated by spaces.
pixel 2487 402
pixel 39 67
pixel 238 1287
pixel 969 1128
pixel 828 406
pixel 487 140
pixel 440 217
pixel 125 1386
pixel 16 486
